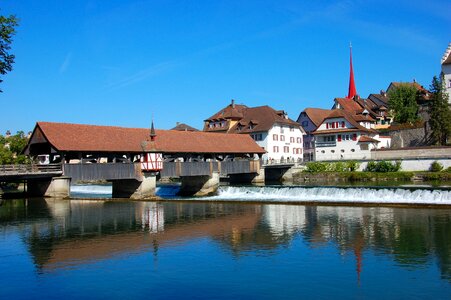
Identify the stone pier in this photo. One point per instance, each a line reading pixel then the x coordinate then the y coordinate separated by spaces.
pixel 58 187
pixel 135 189
pixel 248 178
pixel 199 186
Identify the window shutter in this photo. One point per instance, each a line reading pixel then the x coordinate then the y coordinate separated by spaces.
pixel 327 125
pixel 354 137
pixel 343 124
pixel 339 137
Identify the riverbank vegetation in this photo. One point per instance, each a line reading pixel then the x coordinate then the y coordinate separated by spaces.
pixel 347 171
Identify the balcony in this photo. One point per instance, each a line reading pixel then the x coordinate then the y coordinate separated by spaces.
pixel 325 144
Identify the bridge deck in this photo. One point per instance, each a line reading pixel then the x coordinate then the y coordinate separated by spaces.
pixel 32 171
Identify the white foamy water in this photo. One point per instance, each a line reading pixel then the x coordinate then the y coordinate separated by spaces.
pixel 92 189
pixel 332 194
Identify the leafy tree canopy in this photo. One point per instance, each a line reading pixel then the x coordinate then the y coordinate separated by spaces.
pixel 7 30
pixel 403 103
pixel 11 147
pixel 440 113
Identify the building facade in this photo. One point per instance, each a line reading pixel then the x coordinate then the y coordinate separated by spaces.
pixel 446 70
pixel 344 136
pixel 278 135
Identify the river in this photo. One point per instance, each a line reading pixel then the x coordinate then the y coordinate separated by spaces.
pixel 234 249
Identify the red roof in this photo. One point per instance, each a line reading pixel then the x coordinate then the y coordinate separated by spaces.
pixel 92 138
pixel 339 113
pixel 367 139
pixel 251 119
pixel 317 115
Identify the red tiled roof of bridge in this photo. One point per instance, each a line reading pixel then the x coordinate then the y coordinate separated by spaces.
pixel 94 138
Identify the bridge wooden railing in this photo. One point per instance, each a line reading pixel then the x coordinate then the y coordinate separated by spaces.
pixel 206 168
pixel 30 169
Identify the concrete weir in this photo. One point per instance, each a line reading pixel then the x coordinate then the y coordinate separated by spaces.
pixel 58 187
pixel 135 189
pixel 199 186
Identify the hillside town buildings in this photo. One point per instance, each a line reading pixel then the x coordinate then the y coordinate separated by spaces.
pixel 278 135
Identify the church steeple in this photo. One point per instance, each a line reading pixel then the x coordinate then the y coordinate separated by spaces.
pixel 352 90
pixel 153 135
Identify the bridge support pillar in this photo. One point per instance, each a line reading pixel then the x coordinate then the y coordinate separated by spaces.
pixel 58 187
pixel 199 186
pixel 249 178
pixel 134 189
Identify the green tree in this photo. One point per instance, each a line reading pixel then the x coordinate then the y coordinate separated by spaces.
pixel 11 148
pixel 7 30
pixel 403 102
pixel 440 113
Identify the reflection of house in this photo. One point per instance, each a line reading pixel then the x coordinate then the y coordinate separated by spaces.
pixel 446 70
pixel 280 136
pixel 284 219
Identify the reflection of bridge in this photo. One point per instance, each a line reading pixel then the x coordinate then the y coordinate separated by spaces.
pixel 121 155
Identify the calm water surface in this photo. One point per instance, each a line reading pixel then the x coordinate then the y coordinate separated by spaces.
pixel 85 249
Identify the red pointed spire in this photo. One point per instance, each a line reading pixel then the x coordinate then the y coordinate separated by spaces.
pixel 352 90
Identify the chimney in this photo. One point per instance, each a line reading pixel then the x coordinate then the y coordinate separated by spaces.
pixel 382 92
pixel 177 123
pixel 233 103
pixel 8 134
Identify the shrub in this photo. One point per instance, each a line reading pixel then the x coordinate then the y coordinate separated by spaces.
pixel 316 166
pixel 352 165
pixel 383 166
pixel 436 167
pixel 338 167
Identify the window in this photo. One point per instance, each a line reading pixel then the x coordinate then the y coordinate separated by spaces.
pixel 275 137
pixel 291 139
pixel 299 140
pixel 333 151
pixel 286 149
pixel 342 150
pixel 304 123
pixel 282 138
pixel 281 129
pixel 251 126
pixel 449 83
pixel 257 137
pixel 322 151
pixel 352 150
pixel 291 128
pixel 364 147
pixel 276 149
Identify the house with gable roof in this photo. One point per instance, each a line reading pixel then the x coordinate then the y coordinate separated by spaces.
pixel 278 135
pixel 343 135
pixel 310 119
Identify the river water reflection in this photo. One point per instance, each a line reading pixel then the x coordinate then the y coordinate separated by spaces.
pixel 81 249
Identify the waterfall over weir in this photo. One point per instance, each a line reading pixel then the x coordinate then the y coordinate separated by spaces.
pixel 286 194
pixel 334 194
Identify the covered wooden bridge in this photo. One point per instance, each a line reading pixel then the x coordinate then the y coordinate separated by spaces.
pixel 120 155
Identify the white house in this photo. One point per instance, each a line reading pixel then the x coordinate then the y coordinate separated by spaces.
pixel 446 70
pixel 342 137
pixel 281 137
pixel 310 119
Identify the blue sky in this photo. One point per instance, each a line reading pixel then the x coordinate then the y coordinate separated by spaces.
pixel 123 62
